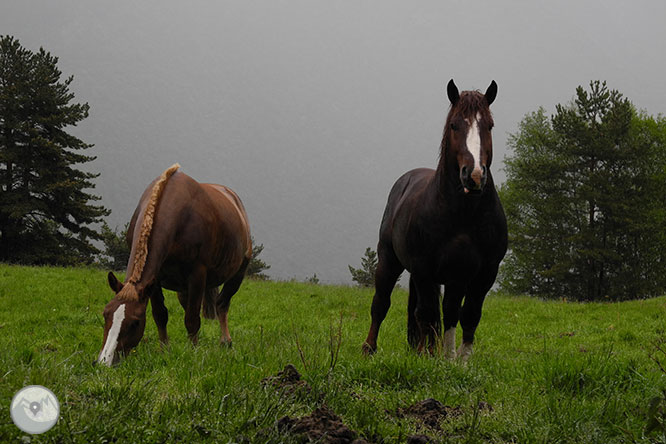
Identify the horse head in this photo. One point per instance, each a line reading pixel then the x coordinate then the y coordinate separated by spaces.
pixel 468 144
pixel 124 324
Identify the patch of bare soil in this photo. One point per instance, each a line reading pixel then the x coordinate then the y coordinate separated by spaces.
pixel 322 426
pixel 430 412
pixel 287 381
pixel 420 439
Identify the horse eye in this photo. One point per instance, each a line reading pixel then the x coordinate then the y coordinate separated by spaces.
pixel 454 127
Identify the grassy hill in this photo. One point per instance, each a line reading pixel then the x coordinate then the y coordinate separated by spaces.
pixel 541 372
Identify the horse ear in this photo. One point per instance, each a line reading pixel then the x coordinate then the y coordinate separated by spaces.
pixel 114 283
pixel 452 92
pixel 491 93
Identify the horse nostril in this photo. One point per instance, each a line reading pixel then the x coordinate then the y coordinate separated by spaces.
pixel 464 172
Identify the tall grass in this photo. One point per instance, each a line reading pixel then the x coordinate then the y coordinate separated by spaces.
pixel 551 371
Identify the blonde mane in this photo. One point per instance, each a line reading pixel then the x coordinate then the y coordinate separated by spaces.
pixel 129 292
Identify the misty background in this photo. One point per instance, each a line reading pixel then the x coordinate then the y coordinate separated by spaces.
pixel 310 110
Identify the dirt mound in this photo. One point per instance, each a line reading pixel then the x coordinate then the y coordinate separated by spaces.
pixel 430 411
pixel 419 439
pixel 287 381
pixel 322 426
pixel 483 406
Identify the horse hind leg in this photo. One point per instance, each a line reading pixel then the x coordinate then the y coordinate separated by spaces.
pixel 182 298
pixel 426 315
pixel 413 329
pixel 196 287
pixel 387 274
pixel 224 301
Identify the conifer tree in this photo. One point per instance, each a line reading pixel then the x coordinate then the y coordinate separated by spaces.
pixel 365 276
pixel 45 210
pixel 256 267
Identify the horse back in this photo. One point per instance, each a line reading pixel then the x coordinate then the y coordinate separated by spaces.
pixel 408 186
pixel 194 224
pixel 400 206
pixel 233 212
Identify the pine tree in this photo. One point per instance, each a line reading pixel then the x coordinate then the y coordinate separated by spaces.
pixel 256 267
pixel 584 201
pixel 45 214
pixel 365 276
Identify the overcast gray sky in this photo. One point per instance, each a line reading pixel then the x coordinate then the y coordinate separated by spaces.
pixel 311 109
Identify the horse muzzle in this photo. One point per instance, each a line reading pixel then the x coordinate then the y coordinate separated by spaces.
pixel 112 362
pixel 473 180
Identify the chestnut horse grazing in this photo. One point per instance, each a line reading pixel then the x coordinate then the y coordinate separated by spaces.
pixel 444 226
pixel 187 237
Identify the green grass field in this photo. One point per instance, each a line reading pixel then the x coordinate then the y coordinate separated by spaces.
pixel 550 371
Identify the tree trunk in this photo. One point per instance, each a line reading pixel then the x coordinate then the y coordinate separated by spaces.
pixel 602 268
pixel 5 222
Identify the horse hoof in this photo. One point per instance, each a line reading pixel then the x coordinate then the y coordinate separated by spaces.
pixel 425 351
pixel 367 349
pixel 226 343
pixel 464 352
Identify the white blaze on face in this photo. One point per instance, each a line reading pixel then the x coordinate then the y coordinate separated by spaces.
pixel 474 141
pixel 109 350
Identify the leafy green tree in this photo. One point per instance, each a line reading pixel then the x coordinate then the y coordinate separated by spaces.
pixel 256 267
pixel 116 250
pixel 585 202
pixel 365 276
pixel 45 212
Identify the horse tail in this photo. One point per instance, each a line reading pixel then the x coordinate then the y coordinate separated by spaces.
pixel 209 309
pixel 413 331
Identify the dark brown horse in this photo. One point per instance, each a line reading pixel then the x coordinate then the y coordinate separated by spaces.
pixel 445 226
pixel 187 237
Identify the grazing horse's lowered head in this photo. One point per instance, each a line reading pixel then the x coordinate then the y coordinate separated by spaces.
pixel 124 324
pixel 467 145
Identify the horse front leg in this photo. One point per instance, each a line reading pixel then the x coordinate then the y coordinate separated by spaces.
pixel 453 296
pixel 224 300
pixel 195 292
pixel 160 313
pixel 470 314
